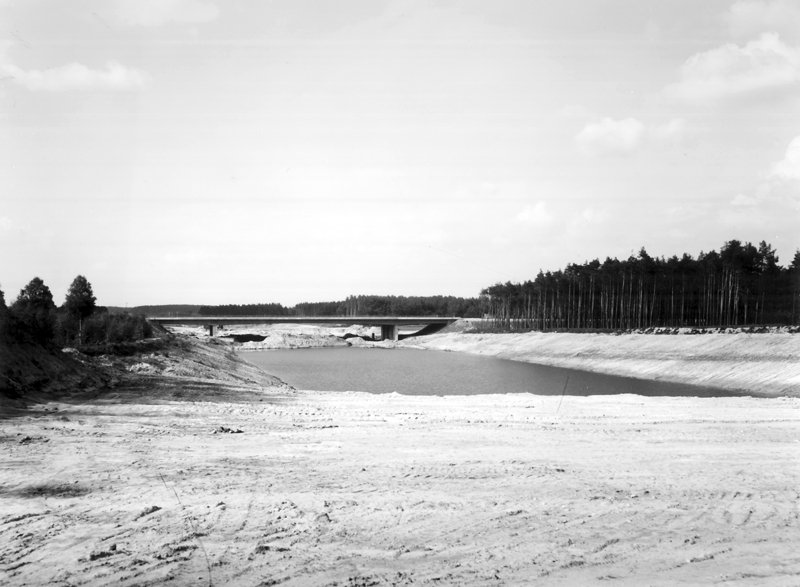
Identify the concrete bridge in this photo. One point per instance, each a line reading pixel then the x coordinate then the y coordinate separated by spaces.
pixel 389 324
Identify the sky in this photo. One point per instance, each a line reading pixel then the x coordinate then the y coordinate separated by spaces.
pixel 253 151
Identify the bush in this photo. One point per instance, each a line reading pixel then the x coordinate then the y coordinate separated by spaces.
pixel 29 325
pixel 114 328
pixel 67 329
pixel 32 318
pixel 3 315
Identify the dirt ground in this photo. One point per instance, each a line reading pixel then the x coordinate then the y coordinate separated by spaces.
pixel 153 483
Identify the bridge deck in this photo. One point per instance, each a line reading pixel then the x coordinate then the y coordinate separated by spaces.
pixel 363 320
pixel 389 324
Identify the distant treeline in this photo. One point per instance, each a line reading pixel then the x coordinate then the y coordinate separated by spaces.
pixel 740 285
pixel 359 306
pixel 412 306
pixel 244 310
pixel 164 310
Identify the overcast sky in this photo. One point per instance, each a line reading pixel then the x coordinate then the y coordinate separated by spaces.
pixel 201 151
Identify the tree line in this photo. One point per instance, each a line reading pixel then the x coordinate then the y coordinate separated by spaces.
pixel 34 318
pixel 740 285
pixel 363 305
pixel 244 310
pixel 161 310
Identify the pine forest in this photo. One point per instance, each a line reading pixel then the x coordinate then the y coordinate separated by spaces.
pixel 738 286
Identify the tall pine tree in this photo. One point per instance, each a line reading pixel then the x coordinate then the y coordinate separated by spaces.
pixel 80 301
pixel 79 304
pixel 34 313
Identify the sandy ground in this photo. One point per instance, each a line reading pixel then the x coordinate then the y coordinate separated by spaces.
pixel 151 483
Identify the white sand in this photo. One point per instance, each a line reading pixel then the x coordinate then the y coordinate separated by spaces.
pixel 354 489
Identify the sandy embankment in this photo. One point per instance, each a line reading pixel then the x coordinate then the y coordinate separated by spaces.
pixel 767 364
pixel 145 485
pixel 284 336
pixel 764 364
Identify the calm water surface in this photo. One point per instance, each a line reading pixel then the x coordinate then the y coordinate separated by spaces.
pixel 416 372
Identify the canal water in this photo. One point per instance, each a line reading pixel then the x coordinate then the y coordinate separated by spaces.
pixel 417 372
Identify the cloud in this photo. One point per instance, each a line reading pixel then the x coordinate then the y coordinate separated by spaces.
pixel 611 137
pixel 779 193
pixel 583 223
pixel 788 168
pixel 77 76
pixel 159 12
pixel 777 197
pixel 673 131
pixel 623 137
pixel 744 200
pixel 536 215
pixel 746 19
pixel 763 65
pixel 652 31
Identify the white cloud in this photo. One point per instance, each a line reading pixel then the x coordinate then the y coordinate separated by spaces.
pixel 776 198
pixel 5 223
pixel 611 137
pixel 744 200
pixel 748 18
pixel 159 12
pixel 652 31
pixel 536 215
pixel 673 131
pixel 622 137
pixel 77 76
pixel 788 168
pixel 765 64
pixel 587 222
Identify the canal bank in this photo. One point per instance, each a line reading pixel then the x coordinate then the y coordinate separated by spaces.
pixel 766 364
pixel 763 364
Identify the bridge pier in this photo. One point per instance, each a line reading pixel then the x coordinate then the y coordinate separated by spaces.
pixel 212 328
pixel 389 331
